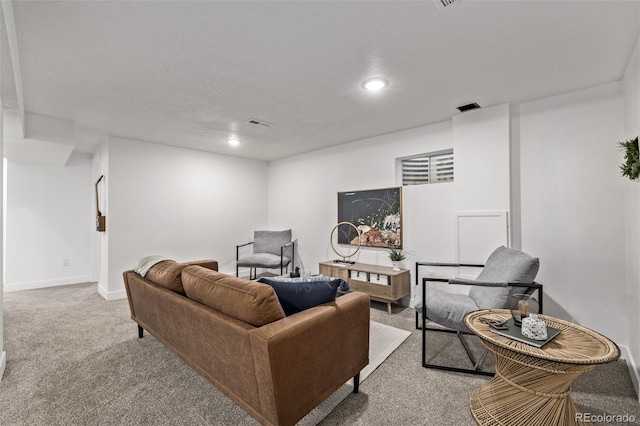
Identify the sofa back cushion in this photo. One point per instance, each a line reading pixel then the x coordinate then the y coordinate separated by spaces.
pixel 167 274
pixel 247 301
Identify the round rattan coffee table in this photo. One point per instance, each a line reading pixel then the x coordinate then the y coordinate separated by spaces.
pixel 532 385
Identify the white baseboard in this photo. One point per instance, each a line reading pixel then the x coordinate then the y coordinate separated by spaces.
pixel 3 364
pixel 32 285
pixel 113 295
pixel 633 368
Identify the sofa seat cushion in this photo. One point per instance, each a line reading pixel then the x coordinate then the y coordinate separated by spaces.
pixel 167 274
pixel 298 294
pixel 247 301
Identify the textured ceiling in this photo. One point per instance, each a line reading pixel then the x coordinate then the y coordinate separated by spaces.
pixel 191 73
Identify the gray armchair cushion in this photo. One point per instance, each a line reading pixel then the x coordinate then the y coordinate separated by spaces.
pixel 509 265
pixel 271 241
pixel 448 309
pixel 490 297
pixel 263 260
pixel 505 265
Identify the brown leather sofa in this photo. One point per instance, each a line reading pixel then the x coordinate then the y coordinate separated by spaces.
pixel 234 333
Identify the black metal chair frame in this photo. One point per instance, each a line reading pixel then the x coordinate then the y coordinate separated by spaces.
pixel 253 272
pixel 477 365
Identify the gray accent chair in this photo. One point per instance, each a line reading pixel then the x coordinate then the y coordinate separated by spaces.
pixel 271 249
pixel 507 271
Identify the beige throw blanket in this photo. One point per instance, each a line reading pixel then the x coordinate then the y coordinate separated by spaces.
pixel 145 263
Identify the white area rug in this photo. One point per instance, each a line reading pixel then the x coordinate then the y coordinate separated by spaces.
pixel 383 340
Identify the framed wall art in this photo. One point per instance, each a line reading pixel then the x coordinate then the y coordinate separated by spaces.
pixel 377 213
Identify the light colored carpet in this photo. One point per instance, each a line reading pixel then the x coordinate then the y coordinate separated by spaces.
pixel 75 359
pixel 401 392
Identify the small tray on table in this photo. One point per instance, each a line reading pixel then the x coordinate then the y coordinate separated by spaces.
pixel 514 332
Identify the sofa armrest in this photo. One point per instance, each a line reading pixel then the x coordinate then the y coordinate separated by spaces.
pixel 209 264
pixel 302 359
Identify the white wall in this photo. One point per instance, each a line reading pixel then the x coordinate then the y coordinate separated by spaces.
pixel 180 203
pixel 303 194
pixel 99 167
pixel 3 353
pixel 482 183
pixel 572 205
pixel 96 237
pixel 571 196
pixel 48 220
pixel 481 143
pixel 631 89
pixel 303 189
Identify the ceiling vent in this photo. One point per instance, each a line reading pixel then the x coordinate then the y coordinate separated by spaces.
pixel 443 4
pixel 468 107
pixel 258 122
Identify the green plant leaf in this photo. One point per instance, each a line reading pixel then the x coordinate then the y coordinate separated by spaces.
pixel 631 166
pixel 396 255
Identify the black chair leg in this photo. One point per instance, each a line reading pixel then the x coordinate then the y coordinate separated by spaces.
pixel 476 365
pixel 417 322
pixel 140 332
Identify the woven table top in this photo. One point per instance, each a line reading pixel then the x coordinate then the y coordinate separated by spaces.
pixel 574 345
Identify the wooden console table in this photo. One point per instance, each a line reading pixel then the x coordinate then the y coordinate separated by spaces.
pixel 532 386
pixel 381 283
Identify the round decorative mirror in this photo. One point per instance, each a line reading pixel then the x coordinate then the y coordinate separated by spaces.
pixel 344 256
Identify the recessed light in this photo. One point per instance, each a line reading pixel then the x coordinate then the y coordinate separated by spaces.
pixel 233 141
pixel 375 84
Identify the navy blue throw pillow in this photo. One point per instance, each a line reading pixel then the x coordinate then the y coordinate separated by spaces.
pixel 296 294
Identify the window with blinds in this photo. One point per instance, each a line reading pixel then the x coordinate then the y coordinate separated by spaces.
pixel 428 168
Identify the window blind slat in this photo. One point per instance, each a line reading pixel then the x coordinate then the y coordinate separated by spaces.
pixel 428 168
